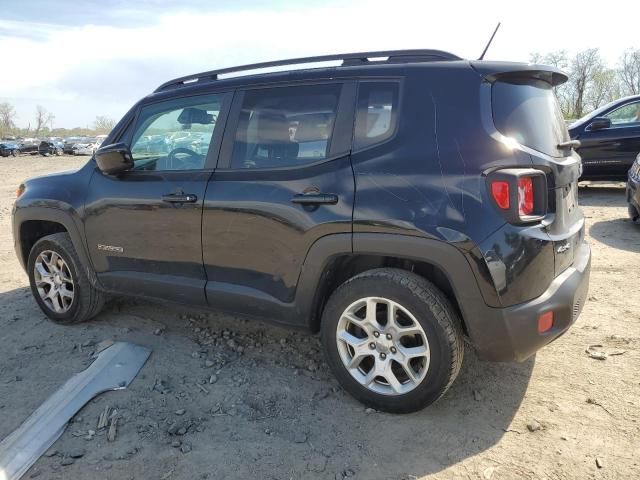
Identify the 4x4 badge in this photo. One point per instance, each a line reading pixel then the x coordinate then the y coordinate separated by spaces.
pixel 110 248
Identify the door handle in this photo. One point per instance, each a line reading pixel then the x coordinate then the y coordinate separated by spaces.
pixel 180 198
pixel 315 199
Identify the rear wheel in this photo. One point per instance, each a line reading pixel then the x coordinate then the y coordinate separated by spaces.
pixel 392 339
pixel 59 282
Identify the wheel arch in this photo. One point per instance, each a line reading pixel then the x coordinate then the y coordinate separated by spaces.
pixel 30 224
pixel 327 267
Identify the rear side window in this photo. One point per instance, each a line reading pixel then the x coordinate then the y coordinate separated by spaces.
pixel 528 112
pixel 377 112
pixel 285 126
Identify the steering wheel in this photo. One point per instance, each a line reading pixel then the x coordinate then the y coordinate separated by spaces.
pixel 194 159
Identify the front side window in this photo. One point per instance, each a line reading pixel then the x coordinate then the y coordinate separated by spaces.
pixel 285 126
pixel 625 115
pixel 377 112
pixel 176 134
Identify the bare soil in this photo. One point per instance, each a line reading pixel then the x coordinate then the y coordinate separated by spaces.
pixel 204 408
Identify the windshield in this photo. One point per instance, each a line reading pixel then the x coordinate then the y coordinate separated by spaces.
pixel 527 111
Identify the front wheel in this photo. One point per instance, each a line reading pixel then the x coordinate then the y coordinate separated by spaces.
pixel 392 339
pixel 59 283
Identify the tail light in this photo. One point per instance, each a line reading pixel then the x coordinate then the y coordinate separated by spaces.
pixel 519 193
pixel 500 192
pixel 525 196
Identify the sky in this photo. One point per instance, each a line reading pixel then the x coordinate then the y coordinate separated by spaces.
pixel 80 59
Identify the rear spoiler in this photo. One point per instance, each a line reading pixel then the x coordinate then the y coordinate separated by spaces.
pixel 506 71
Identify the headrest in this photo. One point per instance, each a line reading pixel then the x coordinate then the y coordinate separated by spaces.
pixel 272 127
pixel 312 130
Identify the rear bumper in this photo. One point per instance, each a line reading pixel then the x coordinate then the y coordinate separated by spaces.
pixel 511 333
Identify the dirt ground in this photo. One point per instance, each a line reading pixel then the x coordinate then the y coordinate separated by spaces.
pixel 221 397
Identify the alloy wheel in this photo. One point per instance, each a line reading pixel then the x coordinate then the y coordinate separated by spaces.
pixel 54 281
pixel 383 346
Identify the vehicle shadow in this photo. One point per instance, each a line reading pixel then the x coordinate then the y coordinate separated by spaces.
pixel 338 433
pixel 620 233
pixel 266 404
pixel 602 195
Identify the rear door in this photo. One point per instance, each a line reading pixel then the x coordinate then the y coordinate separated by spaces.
pixel 283 181
pixel 143 227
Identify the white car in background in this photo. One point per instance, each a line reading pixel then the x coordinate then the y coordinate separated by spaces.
pixel 89 146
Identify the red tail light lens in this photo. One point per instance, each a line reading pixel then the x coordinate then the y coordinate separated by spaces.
pixel 525 196
pixel 520 194
pixel 500 193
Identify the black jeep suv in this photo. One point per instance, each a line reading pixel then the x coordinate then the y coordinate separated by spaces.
pixel 397 203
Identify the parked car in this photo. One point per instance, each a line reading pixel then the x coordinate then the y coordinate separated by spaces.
pixel 50 147
pixel 29 147
pixel 196 142
pixel 9 148
pixel 87 146
pixel 633 191
pixel 152 144
pixel 609 139
pixel 69 142
pixel 436 201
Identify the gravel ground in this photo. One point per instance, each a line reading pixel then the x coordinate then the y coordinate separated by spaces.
pixel 221 397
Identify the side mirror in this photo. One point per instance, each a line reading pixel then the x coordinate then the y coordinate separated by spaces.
pixel 600 123
pixel 113 159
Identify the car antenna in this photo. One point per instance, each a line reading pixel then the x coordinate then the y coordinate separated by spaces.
pixel 489 43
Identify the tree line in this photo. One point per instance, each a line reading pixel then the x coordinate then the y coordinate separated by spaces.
pixel 592 83
pixel 43 124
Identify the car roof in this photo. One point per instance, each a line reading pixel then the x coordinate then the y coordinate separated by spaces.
pixel 354 65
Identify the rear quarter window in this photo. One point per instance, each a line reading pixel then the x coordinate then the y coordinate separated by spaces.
pixel 528 111
pixel 377 113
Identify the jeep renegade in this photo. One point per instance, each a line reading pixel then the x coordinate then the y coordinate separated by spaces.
pixel 398 203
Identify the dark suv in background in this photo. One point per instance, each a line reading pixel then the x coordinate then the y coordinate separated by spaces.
pixel 397 203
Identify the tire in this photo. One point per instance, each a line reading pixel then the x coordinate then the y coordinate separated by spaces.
pixel 634 216
pixel 417 300
pixel 14 153
pixel 87 301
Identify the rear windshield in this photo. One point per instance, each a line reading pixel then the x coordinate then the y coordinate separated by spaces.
pixel 528 111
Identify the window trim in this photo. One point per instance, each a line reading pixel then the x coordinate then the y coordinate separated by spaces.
pixel 345 112
pixel 396 127
pixel 213 153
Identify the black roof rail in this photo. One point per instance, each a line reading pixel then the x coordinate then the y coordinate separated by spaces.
pixel 348 59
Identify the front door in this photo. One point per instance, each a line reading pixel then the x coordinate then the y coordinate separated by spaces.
pixel 610 152
pixel 284 180
pixel 143 227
